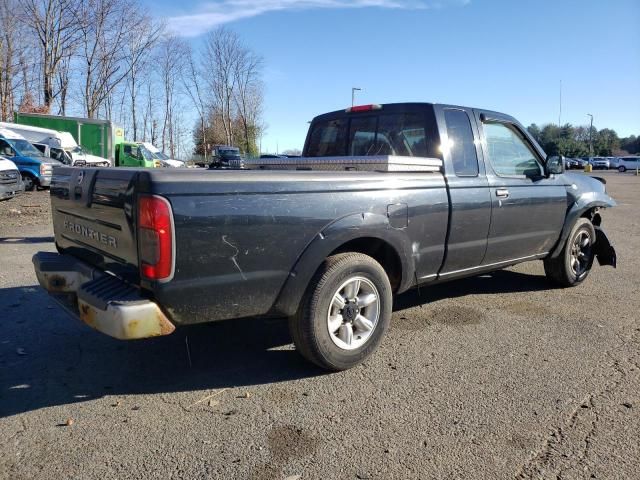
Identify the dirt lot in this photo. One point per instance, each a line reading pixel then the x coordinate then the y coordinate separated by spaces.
pixel 492 377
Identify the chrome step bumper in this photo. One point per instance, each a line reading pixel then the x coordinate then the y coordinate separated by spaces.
pixel 100 300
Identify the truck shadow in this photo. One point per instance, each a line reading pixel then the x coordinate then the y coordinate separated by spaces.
pixel 49 359
pixel 501 281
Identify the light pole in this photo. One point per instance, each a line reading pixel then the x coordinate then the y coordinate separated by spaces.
pixel 590 135
pixel 353 95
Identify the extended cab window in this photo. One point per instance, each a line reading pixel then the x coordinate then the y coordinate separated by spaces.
pixel 328 138
pixel 509 153
pixel 383 134
pixel 461 146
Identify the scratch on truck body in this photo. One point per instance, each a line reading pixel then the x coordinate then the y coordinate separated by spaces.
pixel 234 257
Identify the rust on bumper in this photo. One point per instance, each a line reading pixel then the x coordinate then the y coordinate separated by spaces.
pixel 101 301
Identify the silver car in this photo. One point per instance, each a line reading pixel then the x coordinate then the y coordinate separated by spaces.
pixel 600 163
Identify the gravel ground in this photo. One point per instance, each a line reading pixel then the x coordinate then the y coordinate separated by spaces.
pixel 498 376
pixel 26 209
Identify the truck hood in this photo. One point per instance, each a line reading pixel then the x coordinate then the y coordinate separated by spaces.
pixel 170 162
pixel 7 165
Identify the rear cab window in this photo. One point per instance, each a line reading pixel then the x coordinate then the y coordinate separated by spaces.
pixel 402 134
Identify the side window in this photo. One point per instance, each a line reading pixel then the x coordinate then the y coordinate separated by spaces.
pixel 461 146
pixel 127 149
pixel 509 153
pixel 5 149
pixel 362 136
pixel 328 139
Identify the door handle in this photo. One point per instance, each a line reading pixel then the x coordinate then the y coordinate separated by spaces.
pixel 502 192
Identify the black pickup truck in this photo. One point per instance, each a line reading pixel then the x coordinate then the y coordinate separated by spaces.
pixel 384 199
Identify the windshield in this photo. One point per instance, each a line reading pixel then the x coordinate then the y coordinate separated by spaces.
pixel 80 149
pixel 147 154
pixel 229 152
pixel 162 156
pixel 25 149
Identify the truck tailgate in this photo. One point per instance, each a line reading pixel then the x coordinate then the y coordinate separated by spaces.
pixel 93 217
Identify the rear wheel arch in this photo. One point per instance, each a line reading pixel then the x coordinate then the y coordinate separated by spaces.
pixel 387 252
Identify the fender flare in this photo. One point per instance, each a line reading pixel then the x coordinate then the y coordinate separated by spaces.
pixel 332 237
pixel 583 204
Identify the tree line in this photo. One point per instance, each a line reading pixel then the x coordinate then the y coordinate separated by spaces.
pixel 583 141
pixel 112 59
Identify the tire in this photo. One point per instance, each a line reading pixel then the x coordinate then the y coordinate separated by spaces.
pixel 333 334
pixel 29 182
pixel 572 266
pixel 622 169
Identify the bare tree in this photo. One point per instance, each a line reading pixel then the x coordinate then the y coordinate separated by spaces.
pixel 8 60
pixel 170 54
pixel 138 54
pixel 233 75
pixel 63 82
pixel 248 96
pixel 54 25
pixel 222 49
pixel 193 80
pixel 107 28
pixel 18 71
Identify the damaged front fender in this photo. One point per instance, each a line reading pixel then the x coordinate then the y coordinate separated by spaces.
pixel 605 253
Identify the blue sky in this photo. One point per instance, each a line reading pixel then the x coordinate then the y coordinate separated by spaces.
pixel 502 55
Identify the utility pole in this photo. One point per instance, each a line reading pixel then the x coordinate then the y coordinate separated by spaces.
pixel 353 95
pixel 591 136
pixel 560 113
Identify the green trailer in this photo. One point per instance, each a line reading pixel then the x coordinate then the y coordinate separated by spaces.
pixel 98 137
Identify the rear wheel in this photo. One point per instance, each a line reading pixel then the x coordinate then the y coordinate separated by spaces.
pixel 29 182
pixel 345 312
pixel 572 266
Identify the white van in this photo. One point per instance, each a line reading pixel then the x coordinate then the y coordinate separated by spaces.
pixel 59 145
pixel 10 179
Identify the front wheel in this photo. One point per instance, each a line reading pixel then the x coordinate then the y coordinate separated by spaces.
pixel 28 182
pixel 344 313
pixel 572 266
pixel 622 169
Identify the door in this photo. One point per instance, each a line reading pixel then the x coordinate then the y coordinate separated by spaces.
pixel 468 189
pixel 528 209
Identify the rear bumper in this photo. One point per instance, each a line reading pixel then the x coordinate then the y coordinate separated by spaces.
pixel 100 300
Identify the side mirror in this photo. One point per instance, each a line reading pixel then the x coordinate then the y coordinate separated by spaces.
pixel 554 165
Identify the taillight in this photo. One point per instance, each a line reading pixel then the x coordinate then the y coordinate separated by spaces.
pixel 155 238
pixel 363 108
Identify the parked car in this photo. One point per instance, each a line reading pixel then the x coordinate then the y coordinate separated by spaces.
pixel 35 169
pixel 329 241
pixel 10 179
pixel 630 162
pixel 600 163
pixel 573 163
